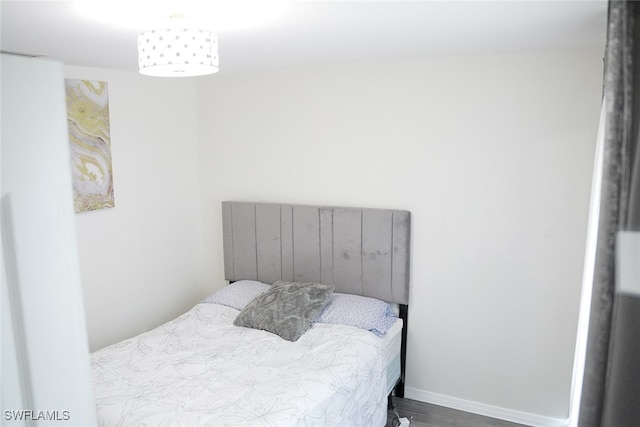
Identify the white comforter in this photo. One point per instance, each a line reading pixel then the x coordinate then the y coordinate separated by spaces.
pixel 200 370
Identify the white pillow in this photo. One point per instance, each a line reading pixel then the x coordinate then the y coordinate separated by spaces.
pixel 238 294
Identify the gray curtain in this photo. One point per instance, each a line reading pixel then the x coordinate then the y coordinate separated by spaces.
pixel 611 387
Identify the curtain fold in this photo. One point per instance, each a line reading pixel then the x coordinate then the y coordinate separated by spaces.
pixel 605 400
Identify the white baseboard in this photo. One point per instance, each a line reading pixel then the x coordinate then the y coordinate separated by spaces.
pixel 505 414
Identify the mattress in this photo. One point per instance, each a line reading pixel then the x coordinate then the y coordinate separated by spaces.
pixel 200 370
pixel 391 343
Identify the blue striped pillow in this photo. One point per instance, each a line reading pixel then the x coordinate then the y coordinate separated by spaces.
pixel 361 312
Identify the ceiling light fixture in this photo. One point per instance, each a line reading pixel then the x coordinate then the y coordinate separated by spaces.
pixel 177 52
pixel 181 45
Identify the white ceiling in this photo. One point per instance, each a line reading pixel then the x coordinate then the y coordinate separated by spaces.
pixel 319 32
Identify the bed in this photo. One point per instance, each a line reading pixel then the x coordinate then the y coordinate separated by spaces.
pixel 310 331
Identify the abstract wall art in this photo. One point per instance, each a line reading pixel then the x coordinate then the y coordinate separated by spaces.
pixel 90 142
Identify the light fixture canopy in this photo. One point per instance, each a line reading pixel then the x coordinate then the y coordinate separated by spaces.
pixel 177 52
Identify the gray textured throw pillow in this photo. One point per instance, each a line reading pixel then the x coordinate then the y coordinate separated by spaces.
pixel 288 309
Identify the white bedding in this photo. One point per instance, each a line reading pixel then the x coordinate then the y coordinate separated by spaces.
pixel 200 370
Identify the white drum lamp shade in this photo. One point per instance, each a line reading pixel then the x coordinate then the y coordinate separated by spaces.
pixel 177 52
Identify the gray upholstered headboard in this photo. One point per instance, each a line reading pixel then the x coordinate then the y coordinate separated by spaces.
pixel 360 251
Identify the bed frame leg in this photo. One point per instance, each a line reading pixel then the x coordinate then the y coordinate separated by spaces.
pixel 404 315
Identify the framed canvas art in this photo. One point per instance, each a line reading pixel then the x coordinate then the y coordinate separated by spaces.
pixel 90 143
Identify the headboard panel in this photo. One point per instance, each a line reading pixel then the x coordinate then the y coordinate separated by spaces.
pixel 360 251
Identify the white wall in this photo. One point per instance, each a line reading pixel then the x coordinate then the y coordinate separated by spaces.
pixel 141 262
pixel 493 157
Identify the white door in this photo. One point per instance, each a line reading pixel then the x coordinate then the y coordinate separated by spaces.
pixel 46 378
